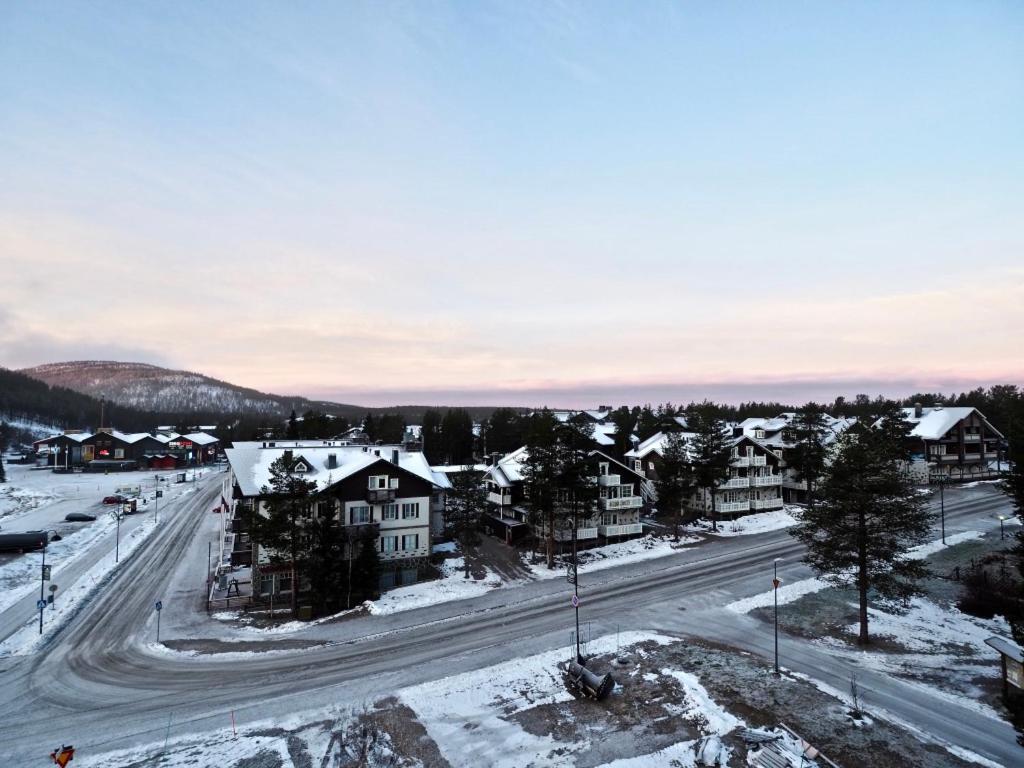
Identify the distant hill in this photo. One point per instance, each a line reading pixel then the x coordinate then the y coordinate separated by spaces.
pixel 143 387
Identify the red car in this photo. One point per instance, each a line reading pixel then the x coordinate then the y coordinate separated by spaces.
pixel 115 499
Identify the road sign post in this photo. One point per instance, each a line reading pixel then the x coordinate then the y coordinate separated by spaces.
pixel 776 581
pixel 53 596
pixel 159 606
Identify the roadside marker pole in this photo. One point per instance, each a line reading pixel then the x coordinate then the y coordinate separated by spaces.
pixel 233 731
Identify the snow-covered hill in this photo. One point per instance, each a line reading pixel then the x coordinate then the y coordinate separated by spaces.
pixel 152 388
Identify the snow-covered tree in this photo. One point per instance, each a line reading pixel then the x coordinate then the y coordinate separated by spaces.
pixel 710 451
pixel 675 481
pixel 465 502
pixel 805 437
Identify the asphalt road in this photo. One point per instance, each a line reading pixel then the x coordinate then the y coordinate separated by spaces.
pixel 100 686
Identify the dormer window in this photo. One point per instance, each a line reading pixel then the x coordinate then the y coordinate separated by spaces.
pixel 602 468
pixel 300 467
pixel 759 434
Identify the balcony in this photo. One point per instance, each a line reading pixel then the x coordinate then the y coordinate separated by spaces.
pixel 971 438
pixel 761 504
pixel 731 507
pixel 765 480
pixel 582 534
pixel 606 480
pixel 734 482
pixel 626 502
pixel 381 495
pixel 740 461
pixel 501 499
pixel 631 529
pixel 758 461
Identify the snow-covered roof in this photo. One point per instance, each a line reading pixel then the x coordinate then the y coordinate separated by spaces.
pixel 200 438
pixel 250 462
pixel 934 423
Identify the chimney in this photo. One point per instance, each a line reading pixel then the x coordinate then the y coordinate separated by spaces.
pixel 288 456
pixel 394 457
pixel 332 461
pixel 494 459
pixel 918 410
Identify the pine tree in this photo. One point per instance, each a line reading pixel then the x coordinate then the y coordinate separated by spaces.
pixel 540 476
pixel 433 447
pixel 293 427
pixel 465 502
pixel 675 481
pixel 806 450
pixel 710 451
pixel 282 530
pixel 4 428
pixel 328 573
pixel 869 517
pixel 503 431
pixel 577 489
pixel 1013 486
pixel 457 436
pixel 366 569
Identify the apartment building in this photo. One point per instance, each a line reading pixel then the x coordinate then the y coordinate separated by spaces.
pixel 754 483
pixel 379 493
pixel 953 444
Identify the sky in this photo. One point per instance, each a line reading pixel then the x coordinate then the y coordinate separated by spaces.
pixel 518 203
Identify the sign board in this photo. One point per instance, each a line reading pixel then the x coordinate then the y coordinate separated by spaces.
pixel 159 494
pixel 53 587
pixel 63 756
pixel 776 582
pixel 1014 672
pixel 575 601
pixel 40 604
pixel 129 490
pixel 159 605
pixel 46 572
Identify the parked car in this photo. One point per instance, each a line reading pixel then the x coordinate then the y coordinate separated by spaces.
pixel 78 517
pixel 117 498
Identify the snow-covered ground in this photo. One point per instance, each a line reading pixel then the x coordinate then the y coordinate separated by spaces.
pixel 760 522
pixel 451 586
pixel 68 601
pixel 789 593
pixel 647 547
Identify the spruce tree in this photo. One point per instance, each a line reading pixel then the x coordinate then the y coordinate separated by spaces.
pixel 503 431
pixel 3 448
pixel 366 569
pixel 710 451
pixel 805 446
pixel 433 447
pixel 1013 486
pixel 282 530
pixel 465 502
pixel 675 481
pixel 868 517
pixel 293 427
pixel 326 566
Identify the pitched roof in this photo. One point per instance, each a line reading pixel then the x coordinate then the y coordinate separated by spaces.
pixel 250 462
pixel 934 423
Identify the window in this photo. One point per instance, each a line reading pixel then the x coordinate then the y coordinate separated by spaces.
pixel 759 434
pixel 359 515
pixel 393 482
pixel 626 491
pixel 119 453
pixel 378 482
pixel 389 512
pixel 602 468
pixel 410 541
pixel 638 465
pixel 300 468
pixel 388 543
pixel 650 465
pixel 325 510
pixel 410 511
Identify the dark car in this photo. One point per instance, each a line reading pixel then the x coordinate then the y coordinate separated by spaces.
pixel 79 517
pixel 115 499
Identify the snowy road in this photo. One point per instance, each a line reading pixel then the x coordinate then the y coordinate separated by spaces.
pixel 100 687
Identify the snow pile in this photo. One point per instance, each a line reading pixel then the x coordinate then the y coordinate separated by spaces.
pixel 15 499
pixel 701 709
pixel 451 586
pixel 648 547
pixel 930 548
pixel 69 601
pixel 761 522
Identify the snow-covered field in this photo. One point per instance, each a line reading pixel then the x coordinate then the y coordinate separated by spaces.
pixel 647 547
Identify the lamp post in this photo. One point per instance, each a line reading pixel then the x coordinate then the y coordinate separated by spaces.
pixel 1001 529
pixel 118 515
pixel 44 575
pixel 942 505
pixel 775 593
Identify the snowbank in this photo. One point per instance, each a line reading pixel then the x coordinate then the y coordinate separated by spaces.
pixel 761 522
pixel 648 547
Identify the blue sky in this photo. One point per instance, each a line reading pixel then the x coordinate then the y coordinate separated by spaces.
pixel 518 202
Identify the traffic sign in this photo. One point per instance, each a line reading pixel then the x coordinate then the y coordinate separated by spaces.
pixel 46 572
pixel 575 601
pixel 159 494
pixel 776 582
pixel 159 605
pixel 63 756
pixel 53 587
pixel 40 604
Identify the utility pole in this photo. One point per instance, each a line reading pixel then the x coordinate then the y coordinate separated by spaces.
pixel 576 582
pixel 775 592
pixel 42 579
pixel 117 514
pixel 942 506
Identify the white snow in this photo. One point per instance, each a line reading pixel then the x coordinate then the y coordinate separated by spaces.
pixel 925 626
pixel 451 586
pixel 68 601
pixel 761 522
pixel 647 547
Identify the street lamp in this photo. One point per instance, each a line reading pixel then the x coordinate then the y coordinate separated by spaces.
pixel 942 505
pixel 775 592
pixel 1001 528
pixel 118 515
pixel 44 574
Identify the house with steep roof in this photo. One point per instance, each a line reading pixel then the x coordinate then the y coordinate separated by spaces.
pixel 954 443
